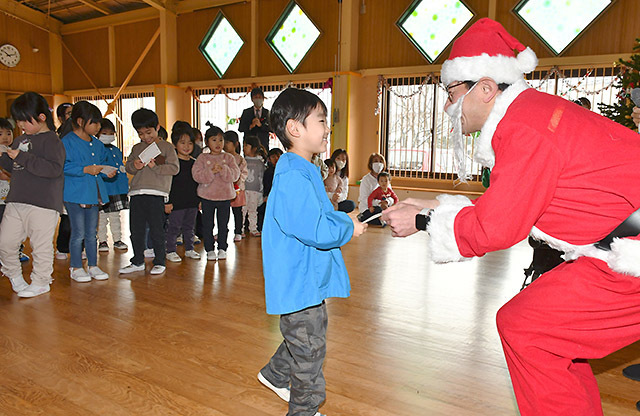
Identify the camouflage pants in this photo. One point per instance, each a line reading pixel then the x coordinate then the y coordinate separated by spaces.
pixel 298 360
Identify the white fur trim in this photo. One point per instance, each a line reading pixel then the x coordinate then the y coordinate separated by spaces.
pixel 500 68
pixel 483 152
pixel 442 243
pixel 624 256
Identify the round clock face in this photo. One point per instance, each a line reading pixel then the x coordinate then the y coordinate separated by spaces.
pixel 9 55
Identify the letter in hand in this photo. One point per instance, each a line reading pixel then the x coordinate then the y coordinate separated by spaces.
pixel 402 216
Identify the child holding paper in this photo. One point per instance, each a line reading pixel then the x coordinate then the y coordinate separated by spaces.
pixel 84 187
pixel 153 162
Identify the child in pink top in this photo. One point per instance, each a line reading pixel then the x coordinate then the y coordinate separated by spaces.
pixel 333 182
pixel 215 172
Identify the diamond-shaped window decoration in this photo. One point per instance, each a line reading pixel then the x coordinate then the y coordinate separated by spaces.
pixel 292 36
pixel 431 25
pixel 221 44
pixel 558 23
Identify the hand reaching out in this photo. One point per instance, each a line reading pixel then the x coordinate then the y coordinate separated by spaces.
pixel 92 169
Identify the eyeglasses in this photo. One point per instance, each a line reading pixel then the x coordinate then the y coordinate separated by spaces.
pixel 450 87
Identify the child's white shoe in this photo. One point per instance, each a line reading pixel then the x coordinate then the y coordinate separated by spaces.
pixel 96 273
pixel 174 257
pixel 192 254
pixel 60 255
pixel 211 255
pixel 237 237
pixel 222 254
pixel 157 269
pixel 34 290
pixel 149 253
pixel 18 284
pixel 283 392
pixel 80 275
pixel 130 268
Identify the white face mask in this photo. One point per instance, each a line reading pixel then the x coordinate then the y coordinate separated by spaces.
pixel 257 102
pixel 459 143
pixel 377 167
pixel 340 164
pixel 107 138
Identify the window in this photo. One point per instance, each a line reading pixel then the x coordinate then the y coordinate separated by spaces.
pixel 415 129
pixel 224 110
pixel 292 36
pixel 559 23
pixel 221 44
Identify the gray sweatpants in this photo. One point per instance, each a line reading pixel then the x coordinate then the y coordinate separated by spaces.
pixel 298 360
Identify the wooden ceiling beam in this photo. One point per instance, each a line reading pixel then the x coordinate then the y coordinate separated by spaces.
pixel 97 7
pixel 156 4
pixel 187 6
pixel 31 16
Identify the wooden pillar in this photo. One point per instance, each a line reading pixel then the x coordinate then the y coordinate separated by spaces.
pixel 169 97
pixel 112 56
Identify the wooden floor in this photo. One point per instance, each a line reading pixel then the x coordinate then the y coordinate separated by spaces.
pixel 413 339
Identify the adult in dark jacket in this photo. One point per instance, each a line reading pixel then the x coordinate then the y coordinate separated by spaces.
pixel 255 119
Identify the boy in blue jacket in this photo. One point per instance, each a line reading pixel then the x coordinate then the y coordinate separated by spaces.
pixel 302 262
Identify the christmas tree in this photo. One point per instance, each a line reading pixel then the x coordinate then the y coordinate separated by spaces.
pixel 628 79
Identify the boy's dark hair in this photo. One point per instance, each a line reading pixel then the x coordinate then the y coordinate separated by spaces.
pixel 212 131
pixel 162 133
pixel 62 110
pixel 5 124
pixel 84 110
pixel 273 151
pixel 106 124
pixel 29 106
pixel 330 162
pixel 292 104
pixel 256 91
pixel 384 175
pixel 179 129
pixel 344 173
pixel 144 118
pixel 254 142
pixel 232 137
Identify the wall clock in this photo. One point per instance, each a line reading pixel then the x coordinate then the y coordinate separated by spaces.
pixel 9 55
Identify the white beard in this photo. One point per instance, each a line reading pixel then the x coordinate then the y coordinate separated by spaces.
pixel 459 143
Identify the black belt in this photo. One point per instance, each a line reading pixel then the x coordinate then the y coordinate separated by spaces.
pixel 629 228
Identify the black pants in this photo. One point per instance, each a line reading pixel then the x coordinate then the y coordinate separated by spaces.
pixel 147 209
pixel 64 234
pixel 366 214
pixel 222 210
pixel 237 219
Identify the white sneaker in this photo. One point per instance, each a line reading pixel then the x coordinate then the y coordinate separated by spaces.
pixel 222 254
pixel 179 240
pixel 34 290
pixel 61 256
pixel 80 275
pixel 157 269
pixel 174 257
pixel 149 253
pixel 18 284
pixel 192 254
pixel 283 392
pixel 237 237
pixel 96 273
pixel 196 240
pixel 131 268
pixel 211 255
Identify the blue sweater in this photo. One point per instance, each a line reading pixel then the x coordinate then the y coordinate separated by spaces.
pixel 119 184
pixel 80 187
pixel 301 240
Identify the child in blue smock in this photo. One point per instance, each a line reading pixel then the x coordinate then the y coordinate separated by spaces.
pixel 301 239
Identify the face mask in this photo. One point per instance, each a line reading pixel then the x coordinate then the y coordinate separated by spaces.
pixel 257 102
pixel 340 164
pixel 459 143
pixel 107 138
pixel 377 167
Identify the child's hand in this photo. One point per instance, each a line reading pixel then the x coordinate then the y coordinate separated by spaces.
pixel 335 197
pixel 384 205
pixel 168 208
pixel 152 163
pixel 92 169
pixel 13 153
pixel 112 174
pixel 636 115
pixel 216 169
pixel 138 164
pixel 358 227
pixel 371 209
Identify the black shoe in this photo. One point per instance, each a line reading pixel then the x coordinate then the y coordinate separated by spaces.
pixel 638 406
pixel 632 372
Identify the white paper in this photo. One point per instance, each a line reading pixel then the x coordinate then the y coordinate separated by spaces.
pixel 373 217
pixel 108 169
pixel 149 153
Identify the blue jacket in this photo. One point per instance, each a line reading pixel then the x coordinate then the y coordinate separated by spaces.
pixel 80 187
pixel 301 239
pixel 119 184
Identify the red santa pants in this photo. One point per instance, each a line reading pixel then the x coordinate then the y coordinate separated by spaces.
pixel 577 311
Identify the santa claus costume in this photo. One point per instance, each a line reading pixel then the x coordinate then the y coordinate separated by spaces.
pixel 568 177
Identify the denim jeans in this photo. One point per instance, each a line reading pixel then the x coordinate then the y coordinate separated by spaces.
pixel 84 227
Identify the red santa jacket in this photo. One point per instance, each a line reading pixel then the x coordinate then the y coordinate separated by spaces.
pixel 564 174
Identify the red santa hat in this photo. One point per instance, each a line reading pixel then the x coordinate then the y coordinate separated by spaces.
pixel 486 49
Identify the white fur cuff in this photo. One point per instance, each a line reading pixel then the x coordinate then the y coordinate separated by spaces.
pixel 625 256
pixel 442 243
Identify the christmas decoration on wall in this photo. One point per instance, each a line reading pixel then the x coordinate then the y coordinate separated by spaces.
pixel 628 79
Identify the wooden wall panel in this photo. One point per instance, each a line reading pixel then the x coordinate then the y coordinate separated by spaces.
pixel 131 39
pixel 382 45
pixel 33 73
pixel 192 27
pixel 320 58
pixel 91 50
pixel 614 32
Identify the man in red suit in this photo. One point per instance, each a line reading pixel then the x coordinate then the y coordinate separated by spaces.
pixel 562 174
